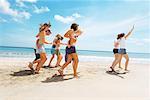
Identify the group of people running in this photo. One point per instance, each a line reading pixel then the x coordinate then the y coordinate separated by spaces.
pixel 71 55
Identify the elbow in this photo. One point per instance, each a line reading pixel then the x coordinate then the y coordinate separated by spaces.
pixel 66 36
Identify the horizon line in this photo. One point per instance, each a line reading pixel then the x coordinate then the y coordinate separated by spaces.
pixel 78 49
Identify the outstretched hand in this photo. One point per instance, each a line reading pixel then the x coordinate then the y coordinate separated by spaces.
pixel 133 27
pixel 126 36
pixel 63 43
pixel 50 43
pixel 79 32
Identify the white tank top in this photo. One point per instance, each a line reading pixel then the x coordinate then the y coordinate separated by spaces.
pixel 116 44
pixel 122 43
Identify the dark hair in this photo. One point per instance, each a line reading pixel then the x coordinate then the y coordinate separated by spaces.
pixel 74 26
pixel 120 35
pixel 59 37
pixel 46 24
pixel 42 27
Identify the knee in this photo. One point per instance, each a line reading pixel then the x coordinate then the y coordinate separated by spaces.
pixel 118 59
pixel 76 60
pixel 66 63
pixel 127 59
pixel 44 59
pixel 53 56
pixel 60 56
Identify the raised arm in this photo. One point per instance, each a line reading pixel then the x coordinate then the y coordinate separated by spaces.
pixel 79 32
pixel 126 36
pixel 67 34
pixel 63 43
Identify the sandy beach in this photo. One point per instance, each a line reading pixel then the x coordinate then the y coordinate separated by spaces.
pixel 17 83
pixel 98 31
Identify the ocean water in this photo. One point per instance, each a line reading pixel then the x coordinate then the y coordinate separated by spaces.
pixel 29 52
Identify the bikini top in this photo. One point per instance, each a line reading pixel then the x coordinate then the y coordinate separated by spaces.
pixel 55 44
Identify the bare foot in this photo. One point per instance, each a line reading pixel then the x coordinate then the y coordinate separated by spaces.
pixel 54 75
pixel 60 72
pixel 57 66
pixel 126 70
pixel 36 72
pixel 52 67
pixel 31 66
pixel 76 76
pixel 112 70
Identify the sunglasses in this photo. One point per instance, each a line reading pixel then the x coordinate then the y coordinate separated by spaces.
pixel 48 32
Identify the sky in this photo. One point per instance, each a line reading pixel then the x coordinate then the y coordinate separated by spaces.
pixel 100 21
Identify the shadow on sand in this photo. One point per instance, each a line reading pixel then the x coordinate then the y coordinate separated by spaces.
pixel 116 74
pixel 57 78
pixel 22 73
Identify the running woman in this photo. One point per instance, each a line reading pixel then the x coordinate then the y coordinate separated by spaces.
pixel 73 33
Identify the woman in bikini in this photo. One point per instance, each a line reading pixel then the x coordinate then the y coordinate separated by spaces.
pixel 55 50
pixel 122 50
pixel 44 30
pixel 72 34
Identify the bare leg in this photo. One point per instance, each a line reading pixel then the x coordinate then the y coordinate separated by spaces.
pixel 59 58
pixel 75 64
pixel 116 61
pixel 120 62
pixel 53 55
pixel 40 64
pixel 31 64
pixel 116 57
pixel 36 61
pixel 69 58
pixel 127 61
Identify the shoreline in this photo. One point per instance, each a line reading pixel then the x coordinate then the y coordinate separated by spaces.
pixel 93 84
pixel 87 58
pixel 29 52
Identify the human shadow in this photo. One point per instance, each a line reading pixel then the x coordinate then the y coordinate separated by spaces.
pixel 57 78
pixel 22 73
pixel 50 67
pixel 116 74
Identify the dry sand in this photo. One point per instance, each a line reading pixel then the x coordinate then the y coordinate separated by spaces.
pixel 17 83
